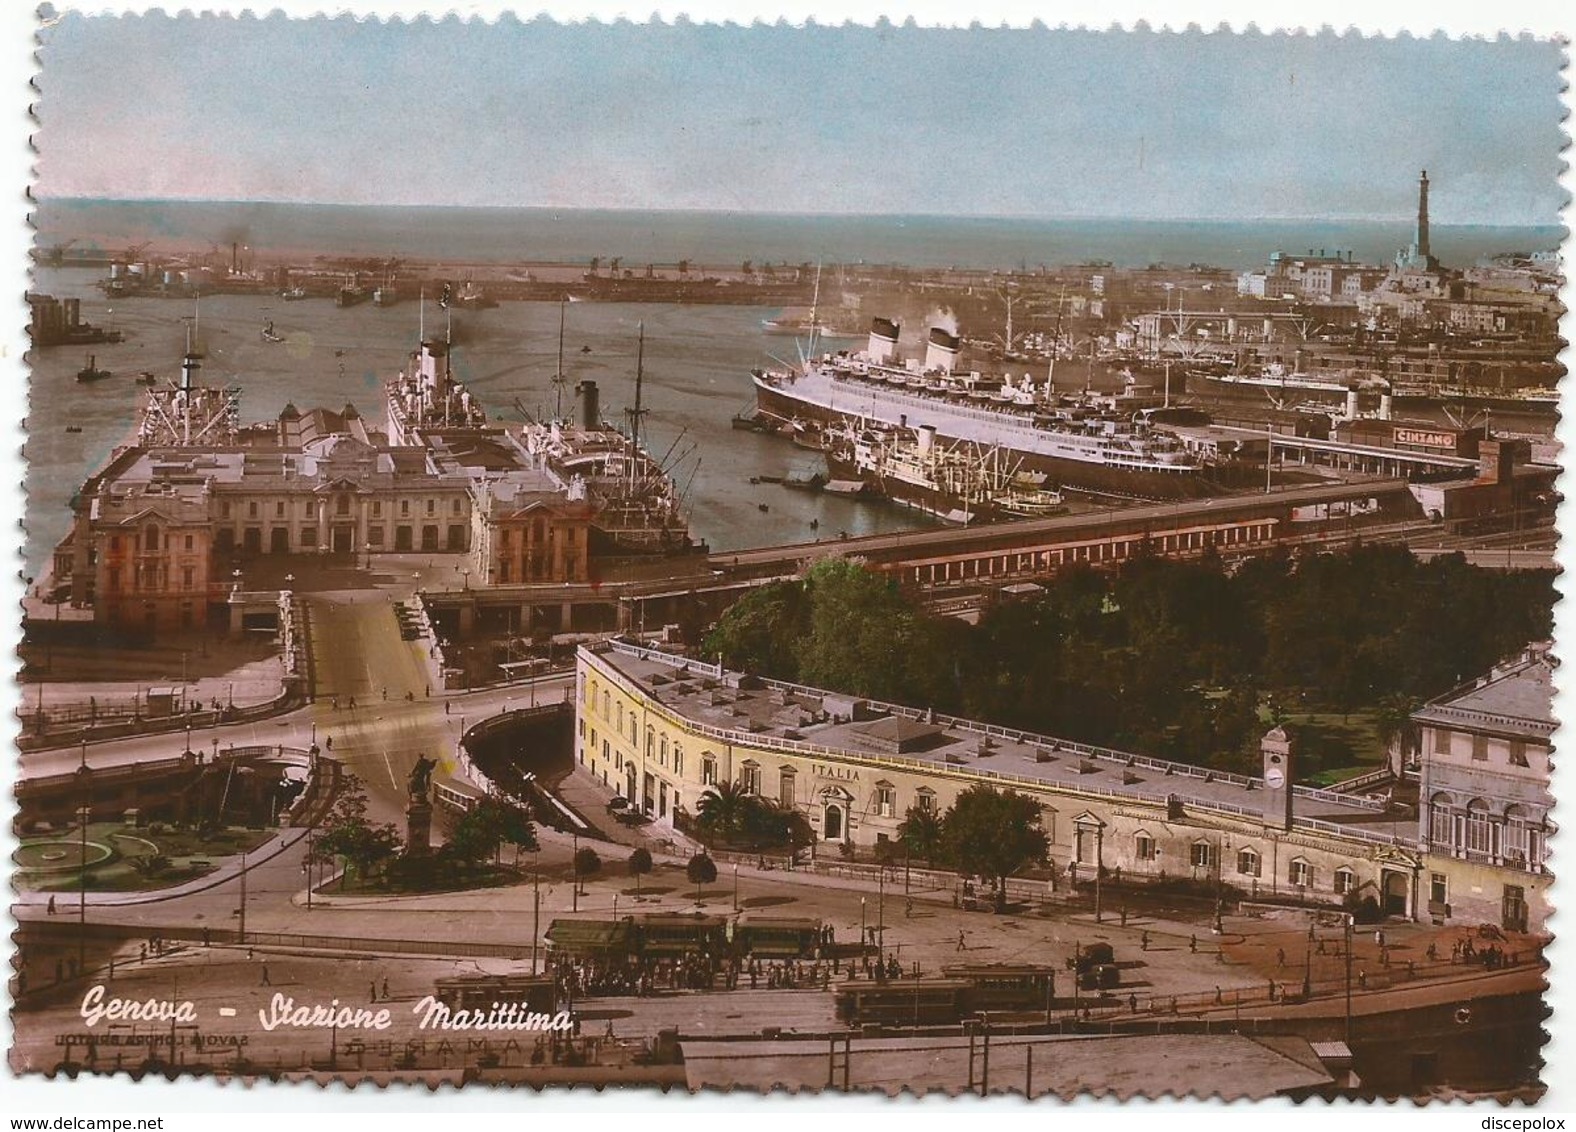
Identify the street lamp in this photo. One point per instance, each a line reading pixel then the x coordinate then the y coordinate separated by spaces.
pixel 735 886
pixel 864 934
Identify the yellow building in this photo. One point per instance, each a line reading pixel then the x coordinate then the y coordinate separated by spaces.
pixel 659 730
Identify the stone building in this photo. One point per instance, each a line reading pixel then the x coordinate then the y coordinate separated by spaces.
pixel 1484 796
pixel 660 730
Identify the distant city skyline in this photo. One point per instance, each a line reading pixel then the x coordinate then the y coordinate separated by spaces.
pixel 883 121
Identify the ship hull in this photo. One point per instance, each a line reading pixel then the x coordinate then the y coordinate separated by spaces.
pixel 776 402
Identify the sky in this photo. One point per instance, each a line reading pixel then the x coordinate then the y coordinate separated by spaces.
pixel 1044 123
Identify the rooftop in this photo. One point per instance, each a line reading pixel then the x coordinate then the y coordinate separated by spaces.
pixel 1515 699
pixel 776 715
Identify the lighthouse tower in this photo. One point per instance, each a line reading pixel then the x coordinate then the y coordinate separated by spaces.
pixel 1418 257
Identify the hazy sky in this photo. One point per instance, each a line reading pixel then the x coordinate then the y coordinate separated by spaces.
pixel 886 120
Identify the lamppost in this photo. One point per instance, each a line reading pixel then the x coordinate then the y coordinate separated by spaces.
pixel 574 870
pixel 880 913
pixel 84 812
pixel 1349 925
pixel 735 886
pixel 864 933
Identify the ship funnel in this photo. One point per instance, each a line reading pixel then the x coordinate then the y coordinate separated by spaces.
pixel 883 340
pixel 590 405
pixel 189 366
pixel 1351 404
pixel 927 439
pixel 1386 406
pixel 941 352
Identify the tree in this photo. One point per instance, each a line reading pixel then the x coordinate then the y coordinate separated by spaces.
pixel 639 866
pixel 700 870
pixel 723 811
pixel 921 833
pixel 348 835
pixel 994 833
pixel 587 864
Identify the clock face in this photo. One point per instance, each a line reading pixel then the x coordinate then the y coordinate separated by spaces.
pixel 1274 779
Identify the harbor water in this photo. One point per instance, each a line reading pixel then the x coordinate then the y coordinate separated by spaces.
pixel 697 363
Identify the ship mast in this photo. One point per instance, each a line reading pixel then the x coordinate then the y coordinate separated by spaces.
pixel 558 377
pixel 637 412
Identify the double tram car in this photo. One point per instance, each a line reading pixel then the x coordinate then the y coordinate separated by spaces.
pixel 1005 986
pixel 903 1002
pixel 479 992
pixel 455 795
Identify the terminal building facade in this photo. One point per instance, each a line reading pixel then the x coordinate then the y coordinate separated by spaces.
pixel 1484 771
pixel 660 730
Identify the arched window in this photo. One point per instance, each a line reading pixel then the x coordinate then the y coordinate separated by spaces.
pixel 1439 823
pixel 1480 830
pixel 1203 854
pixel 662 750
pixel 925 799
pixel 1345 880
pixel 678 759
pixel 1300 872
pixel 708 769
pixel 1516 836
pixel 651 741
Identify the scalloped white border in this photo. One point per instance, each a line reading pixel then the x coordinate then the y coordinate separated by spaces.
pixel 37 1097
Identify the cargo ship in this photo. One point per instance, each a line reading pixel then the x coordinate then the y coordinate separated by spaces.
pixel 1102 442
pixel 958 482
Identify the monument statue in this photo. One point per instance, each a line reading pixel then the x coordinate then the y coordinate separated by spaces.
pixel 421 776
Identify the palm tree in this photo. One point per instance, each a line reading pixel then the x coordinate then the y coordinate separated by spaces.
pixel 921 833
pixel 723 810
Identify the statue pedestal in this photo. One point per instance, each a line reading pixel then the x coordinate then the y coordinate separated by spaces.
pixel 418 827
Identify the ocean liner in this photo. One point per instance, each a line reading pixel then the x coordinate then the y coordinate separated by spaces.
pixel 1101 442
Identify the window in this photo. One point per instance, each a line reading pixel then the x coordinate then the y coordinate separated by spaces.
pixel 750 777
pixel 189 543
pixel 456 507
pixel 678 759
pixel 886 800
pixel 1345 880
pixel 375 535
pixel 377 509
pixel 1516 835
pixel 1203 855
pixel 593 736
pixel 651 742
pixel 708 770
pixel 188 577
pixel 607 704
pixel 1479 830
pixel 591 693
pixel 786 781
pixel 404 508
pixel 618 710
pixel 605 750
pixel 925 799
pixel 432 507
pixel 279 509
pixel 1479 748
pixel 1300 873
pixel 150 539
pixel 1518 752
pixel 224 509
pixel 1249 863
pixel 582 723
pixel 1439 823
pixel 1144 847
pixel 1438 889
pixel 251 510
pixel 342 505
pixel 662 750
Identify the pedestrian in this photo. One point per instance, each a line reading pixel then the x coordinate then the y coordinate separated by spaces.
pixel 1192 944
pixel 111 966
pixel 143 958
pixel 385 692
pixel 1311 932
pixel 374 991
pixel 1432 952
pixel 352 703
pixel 1280 957
pixel 1273 988
pixel 206 937
pixel 1362 979
pixel 908 908
pixel 1143 942
pixel 1132 1004
pixel 1124 917
pixel 329 742
pixel 266 981
pixel 1217 996
pixel 960 941
pixel 385 988
pixel 1379 937
pixel 51 905
pixel 445 707
pixel 335 702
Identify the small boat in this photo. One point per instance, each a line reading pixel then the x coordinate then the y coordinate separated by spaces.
pixel 585 349
pixel 293 295
pixel 73 428
pixel 91 372
pixel 146 378
pixel 270 334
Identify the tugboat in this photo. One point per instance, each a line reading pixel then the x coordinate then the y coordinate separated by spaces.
pixel 293 295
pixel 91 372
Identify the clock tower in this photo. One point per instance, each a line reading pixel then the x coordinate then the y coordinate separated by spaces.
pixel 1276 749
